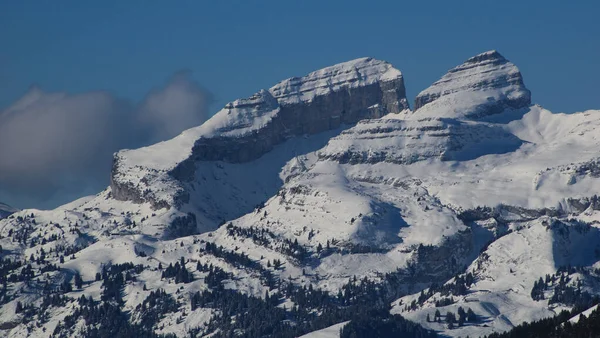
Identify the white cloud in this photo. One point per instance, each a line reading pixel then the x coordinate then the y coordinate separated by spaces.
pixel 55 147
pixel 178 106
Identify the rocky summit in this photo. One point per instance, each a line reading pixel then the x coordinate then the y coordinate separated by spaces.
pixel 484 85
pixel 324 205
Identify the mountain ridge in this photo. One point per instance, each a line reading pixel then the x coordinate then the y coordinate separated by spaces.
pixel 328 186
pixel 246 129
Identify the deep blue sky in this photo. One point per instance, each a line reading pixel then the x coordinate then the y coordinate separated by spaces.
pixel 236 48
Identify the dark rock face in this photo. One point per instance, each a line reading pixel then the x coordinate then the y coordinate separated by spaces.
pixel 128 191
pixel 438 263
pixel 496 82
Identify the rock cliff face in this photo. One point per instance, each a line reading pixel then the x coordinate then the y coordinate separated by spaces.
pixel 246 129
pixel 485 84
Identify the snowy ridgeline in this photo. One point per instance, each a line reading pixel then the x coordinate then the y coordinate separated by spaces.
pixel 323 202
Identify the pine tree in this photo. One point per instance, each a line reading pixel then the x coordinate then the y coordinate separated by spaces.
pixel 471 317
pixel 462 315
pixel 78 281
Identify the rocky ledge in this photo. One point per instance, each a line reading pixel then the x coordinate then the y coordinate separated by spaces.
pixel 408 141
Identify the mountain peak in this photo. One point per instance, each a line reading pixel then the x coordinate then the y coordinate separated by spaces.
pixel 483 85
pixel 346 75
pixel 489 55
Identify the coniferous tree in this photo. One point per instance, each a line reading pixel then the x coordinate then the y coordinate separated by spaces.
pixel 78 281
pixel 471 317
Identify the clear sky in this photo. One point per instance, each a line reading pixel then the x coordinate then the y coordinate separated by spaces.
pixel 233 49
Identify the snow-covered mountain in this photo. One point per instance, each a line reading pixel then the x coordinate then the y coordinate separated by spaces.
pixel 292 118
pixel 484 85
pixel 321 196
